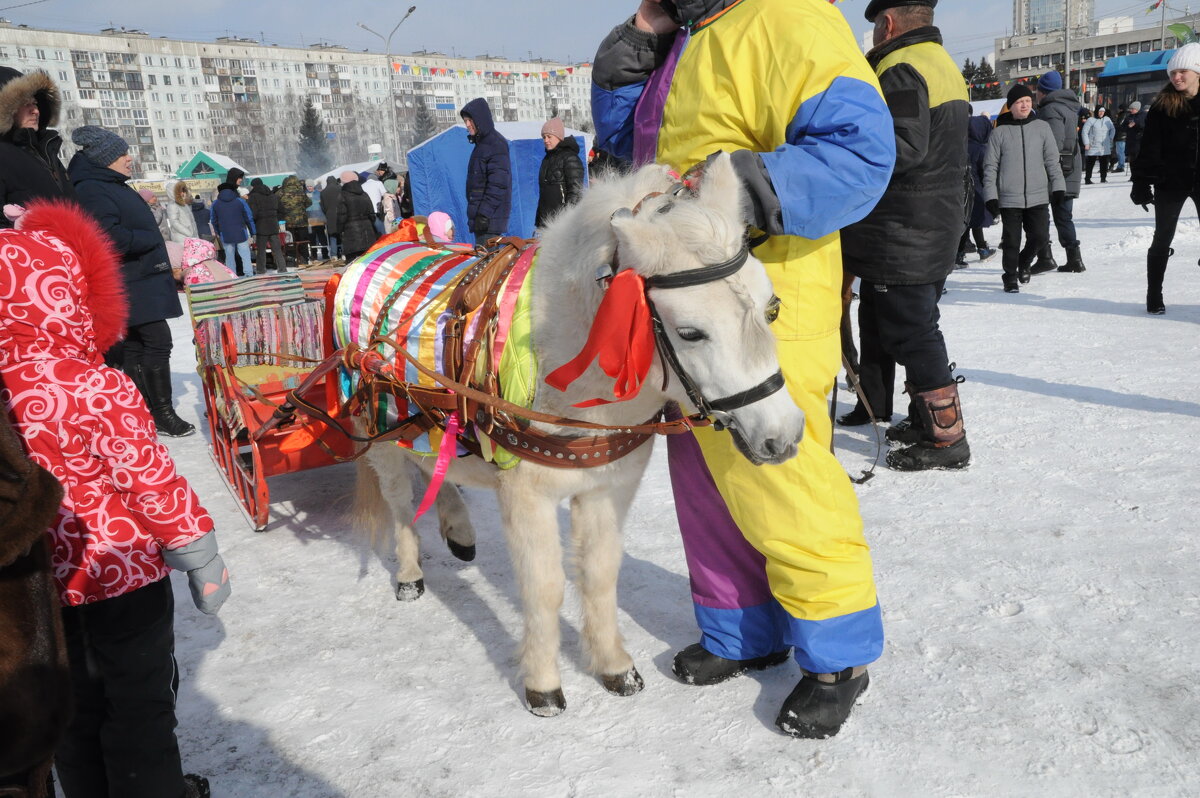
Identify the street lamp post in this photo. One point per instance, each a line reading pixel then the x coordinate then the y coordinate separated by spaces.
pixel 387 73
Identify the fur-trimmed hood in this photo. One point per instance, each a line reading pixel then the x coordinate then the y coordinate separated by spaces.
pixel 17 89
pixel 65 296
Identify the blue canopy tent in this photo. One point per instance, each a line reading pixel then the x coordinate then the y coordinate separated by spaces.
pixel 437 169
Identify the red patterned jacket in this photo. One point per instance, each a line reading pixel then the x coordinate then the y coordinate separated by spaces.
pixel 62 304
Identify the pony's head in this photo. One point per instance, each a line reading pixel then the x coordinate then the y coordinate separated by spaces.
pixel 713 304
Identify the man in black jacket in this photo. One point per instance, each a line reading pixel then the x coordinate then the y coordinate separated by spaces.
pixel 264 205
pixel 904 249
pixel 29 164
pixel 560 179
pixel 489 173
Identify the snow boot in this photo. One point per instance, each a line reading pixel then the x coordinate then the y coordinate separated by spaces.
pixel 1156 269
pixel 1074 261
pixel 1045 261
pixel 856 417
pixel 908 429
pixel 944 442
pixel 158 388
pixel 985 252
pixel 196 786
pixel 695 665
pixel 1024 270
pixel 821 702
pixel 1010 284
pixel 960 260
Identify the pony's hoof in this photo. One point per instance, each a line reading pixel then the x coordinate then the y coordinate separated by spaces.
pixel 464 553
pixel 627 683
pixel 545 705
pixel 410 591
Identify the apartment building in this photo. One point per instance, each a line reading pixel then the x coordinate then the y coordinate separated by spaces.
pixel 170 97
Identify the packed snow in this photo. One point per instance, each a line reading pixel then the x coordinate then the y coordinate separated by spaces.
pixel 1041 608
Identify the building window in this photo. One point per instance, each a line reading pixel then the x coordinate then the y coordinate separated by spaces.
pixel 1110 51
pixel 1121 49
pixel 1088 54
pixel 151 80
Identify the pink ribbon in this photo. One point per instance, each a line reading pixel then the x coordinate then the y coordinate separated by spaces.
pixel 446 450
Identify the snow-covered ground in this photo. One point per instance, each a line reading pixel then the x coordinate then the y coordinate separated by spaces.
pixel 1041 608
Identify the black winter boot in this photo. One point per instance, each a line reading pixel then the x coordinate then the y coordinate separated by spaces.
pixel 1045 261
pixel 908 429
pixel 195 786
pixel 695 665
pixel 820 703
pixel 944 443
pixel 1024 270
pixel 158 387
pixel 1156 269
pixel 1074 261
pixel 857 417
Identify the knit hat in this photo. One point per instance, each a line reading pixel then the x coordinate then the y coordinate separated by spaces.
pixel 1134 107
pixel 101 147
pixel 1050 81
pixel 1186 57
pixel 441 226
pixel 1017 92
pixel 555 128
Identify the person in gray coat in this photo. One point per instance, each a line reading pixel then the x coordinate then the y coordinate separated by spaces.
pixel 1021 176
pixel 1059 108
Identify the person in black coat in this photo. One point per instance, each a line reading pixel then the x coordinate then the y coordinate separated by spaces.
pixel 1167 169
pixel 29 164
pixel 264 205
pixel 1135 123
pixel 353 219
pixel 489 173
pixel 560 180
pixel 979 129
pixel 99 171
pixel 331 195
pixel 200 213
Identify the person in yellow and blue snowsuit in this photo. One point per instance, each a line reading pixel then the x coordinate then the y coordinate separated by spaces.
pixel 776 553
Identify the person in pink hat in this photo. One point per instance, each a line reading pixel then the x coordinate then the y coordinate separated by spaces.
pixel 560 180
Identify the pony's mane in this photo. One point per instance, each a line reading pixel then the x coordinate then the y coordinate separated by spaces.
pixel 688 232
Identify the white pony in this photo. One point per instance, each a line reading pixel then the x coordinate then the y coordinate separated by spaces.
pixel 718 330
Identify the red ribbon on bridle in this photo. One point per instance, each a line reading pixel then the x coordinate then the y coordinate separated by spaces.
pixel 621 337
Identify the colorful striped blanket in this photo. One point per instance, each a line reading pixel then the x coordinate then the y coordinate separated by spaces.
pixel 415 282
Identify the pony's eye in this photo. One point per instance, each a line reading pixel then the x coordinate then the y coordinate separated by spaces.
pixel 690 334
pixel 772 312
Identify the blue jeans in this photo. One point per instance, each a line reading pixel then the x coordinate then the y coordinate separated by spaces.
pixel 242 248
pixel 1064 221
pixel 1120 155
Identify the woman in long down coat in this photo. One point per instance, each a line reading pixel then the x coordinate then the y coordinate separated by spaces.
pixel 127 517
pixel 1099 133
pixel 100 170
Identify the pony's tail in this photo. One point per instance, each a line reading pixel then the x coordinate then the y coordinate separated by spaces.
pixel 369 512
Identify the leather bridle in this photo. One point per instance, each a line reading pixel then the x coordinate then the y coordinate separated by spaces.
pixel 717 409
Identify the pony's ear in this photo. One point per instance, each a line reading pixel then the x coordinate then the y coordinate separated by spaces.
pixel 721 188
pixel 639 238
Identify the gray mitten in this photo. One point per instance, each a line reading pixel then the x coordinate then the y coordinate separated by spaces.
pixel 208 578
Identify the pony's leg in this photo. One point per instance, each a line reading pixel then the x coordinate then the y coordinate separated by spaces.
pixel 455 522
pixel 596 520
pixel 392 478
pixel 531 527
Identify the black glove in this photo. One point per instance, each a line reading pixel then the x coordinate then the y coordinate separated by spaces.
pixel 480 224
pixel 993 207
pixel 1142 194
pixel 1058 196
